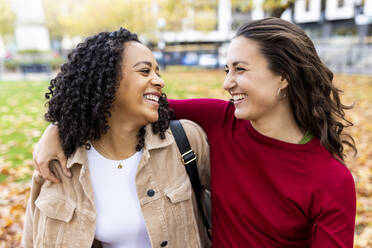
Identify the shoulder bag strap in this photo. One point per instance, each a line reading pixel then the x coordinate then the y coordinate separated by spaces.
pixel 189 160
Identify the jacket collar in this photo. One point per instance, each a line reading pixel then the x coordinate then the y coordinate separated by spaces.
pixel 152 141
pixel 78 157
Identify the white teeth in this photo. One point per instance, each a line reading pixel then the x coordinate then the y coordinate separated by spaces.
pixel 238 97
pixel 151 97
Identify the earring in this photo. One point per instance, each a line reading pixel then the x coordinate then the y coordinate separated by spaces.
pixel 279 95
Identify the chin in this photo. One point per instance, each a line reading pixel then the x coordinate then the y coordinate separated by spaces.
pixel 241 115
pixel 153 118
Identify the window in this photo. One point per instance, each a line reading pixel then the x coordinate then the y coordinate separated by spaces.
pixel 340 3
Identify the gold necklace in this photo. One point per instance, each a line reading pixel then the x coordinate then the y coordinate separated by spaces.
pixel 120 165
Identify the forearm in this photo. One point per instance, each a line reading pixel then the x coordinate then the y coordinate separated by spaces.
pixel 204 112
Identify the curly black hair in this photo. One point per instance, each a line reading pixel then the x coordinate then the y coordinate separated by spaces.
pixel 81 95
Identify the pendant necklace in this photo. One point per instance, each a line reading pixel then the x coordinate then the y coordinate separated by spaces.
pixel 121 162
pixel 119 165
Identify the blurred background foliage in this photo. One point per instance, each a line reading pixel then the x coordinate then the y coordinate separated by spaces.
pixel 7 18
pixel 86 17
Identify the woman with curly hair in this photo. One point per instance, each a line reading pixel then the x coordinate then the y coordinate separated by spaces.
pixel 128 187
pixel 277 148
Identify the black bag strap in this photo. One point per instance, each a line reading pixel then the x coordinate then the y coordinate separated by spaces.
pixel 189 160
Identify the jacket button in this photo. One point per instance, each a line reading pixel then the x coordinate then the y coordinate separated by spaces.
pixel 150 192
pixel 164 243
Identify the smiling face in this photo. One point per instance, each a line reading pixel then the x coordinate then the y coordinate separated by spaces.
pixel 252 85
pixel 136 99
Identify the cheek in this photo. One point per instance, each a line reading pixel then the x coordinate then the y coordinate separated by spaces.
pixel 134 95
pixel 127 99
pixel 260 99
pixel 265 94
pixel 123 97
pixel 263 100
pixel 265 90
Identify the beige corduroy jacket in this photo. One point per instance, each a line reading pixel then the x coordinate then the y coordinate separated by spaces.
pixel 64 215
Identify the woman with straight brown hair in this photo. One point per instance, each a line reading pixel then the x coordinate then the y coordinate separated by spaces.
pixel 277 148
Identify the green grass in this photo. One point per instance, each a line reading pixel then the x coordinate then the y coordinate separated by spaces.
pixel 21 115
pixel 194 84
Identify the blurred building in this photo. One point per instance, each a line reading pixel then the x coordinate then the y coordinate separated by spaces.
pixel 30 30
pixel 340 29
pixel 191 47
pixel 326 19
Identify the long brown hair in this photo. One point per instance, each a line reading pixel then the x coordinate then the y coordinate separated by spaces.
pixel 314 100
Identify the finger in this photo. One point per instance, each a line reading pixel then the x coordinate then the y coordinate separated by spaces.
pixel 47 174
pixel 63 161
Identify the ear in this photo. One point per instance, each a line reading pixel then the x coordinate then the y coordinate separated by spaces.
pixel 283 83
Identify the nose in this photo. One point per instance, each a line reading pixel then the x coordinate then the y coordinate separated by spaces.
pixel 229 82
pixel 157 81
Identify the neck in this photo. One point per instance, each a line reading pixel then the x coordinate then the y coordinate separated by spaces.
pixel 279 124
pixel 120 141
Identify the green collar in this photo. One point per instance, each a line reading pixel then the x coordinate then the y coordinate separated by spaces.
pixel 307 137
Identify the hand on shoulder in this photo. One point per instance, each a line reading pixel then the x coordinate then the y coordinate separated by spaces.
pixel 47 149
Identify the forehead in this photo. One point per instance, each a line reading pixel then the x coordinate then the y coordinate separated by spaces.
pixel 135 51
pixel 242 49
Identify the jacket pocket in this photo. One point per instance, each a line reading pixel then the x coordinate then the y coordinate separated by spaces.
pixel 179 197
pixel 55 214
pixel 181 218
pixel 179 193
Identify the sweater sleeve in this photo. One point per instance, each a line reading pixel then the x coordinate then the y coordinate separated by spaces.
pixel 334 210
pixel 205 112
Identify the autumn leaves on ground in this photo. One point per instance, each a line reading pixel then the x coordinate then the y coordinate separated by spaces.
pixel 21 115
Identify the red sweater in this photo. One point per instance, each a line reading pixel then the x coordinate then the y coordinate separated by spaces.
pixel 269 193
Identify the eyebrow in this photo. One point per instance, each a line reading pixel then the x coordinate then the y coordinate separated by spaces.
pixel 239 62
pixel 143 62
pixel 146 63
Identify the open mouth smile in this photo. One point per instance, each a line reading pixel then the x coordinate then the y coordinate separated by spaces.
pixel 238 97
pixel 151 97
